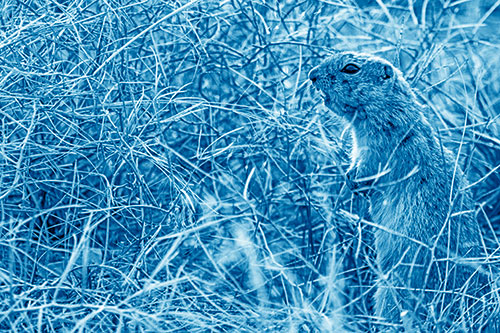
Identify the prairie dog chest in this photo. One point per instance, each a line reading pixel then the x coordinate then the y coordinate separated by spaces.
pixel 358 154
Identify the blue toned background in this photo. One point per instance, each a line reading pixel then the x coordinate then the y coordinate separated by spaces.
pixel 165 165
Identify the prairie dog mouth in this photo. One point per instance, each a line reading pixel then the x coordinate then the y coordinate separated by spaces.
pixel 324 95
pixel 317 89
pixel 327 100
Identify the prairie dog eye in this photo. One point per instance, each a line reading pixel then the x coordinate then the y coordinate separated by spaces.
pixel 350 69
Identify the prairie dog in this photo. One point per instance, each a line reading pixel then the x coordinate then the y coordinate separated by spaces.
pixel 428 245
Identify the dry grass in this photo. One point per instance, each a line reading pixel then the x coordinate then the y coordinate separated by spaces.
pixel 165 167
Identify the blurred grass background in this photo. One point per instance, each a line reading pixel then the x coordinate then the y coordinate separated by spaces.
pixel 166 167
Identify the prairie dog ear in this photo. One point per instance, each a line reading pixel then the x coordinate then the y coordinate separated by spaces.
pixel 387 72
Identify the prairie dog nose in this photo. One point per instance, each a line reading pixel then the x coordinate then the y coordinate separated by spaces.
pixel 313 74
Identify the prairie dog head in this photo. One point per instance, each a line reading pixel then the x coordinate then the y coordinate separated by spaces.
pixel 356 82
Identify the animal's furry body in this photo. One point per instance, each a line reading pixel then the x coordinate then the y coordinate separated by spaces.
pixel 429 238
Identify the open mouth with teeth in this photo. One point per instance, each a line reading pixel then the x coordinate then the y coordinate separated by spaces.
pixel 324 95
pixel 317 89
pixel 331 101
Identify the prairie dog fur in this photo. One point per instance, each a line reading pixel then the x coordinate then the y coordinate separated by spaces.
pixel 429 245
